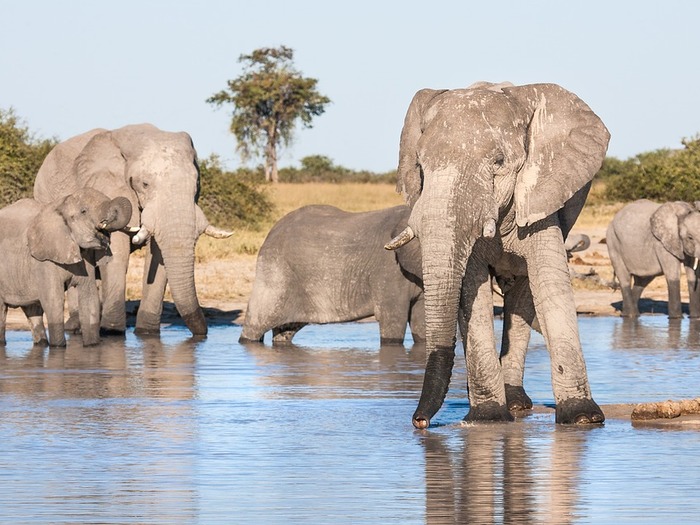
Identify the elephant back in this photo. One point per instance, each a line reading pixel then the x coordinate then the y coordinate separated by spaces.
pixel 55 177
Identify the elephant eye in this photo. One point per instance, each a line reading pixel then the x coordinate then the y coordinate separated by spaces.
pixel 145 184
pixel 499 160
pixel 83 211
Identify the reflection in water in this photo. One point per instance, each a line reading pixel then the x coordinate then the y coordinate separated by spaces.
pixel 174 431
pixel 331 373
pixel 496 473
pixel 105 425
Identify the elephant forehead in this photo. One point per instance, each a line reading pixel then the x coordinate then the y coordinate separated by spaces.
pixel 692 222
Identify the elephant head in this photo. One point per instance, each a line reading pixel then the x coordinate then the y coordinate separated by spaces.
pixel 677 226
pixel 76 221
pixel 157 172
pixel 487 161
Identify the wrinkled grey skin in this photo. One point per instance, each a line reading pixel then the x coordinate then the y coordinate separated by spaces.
pixel 646 239
pixel 576 243
pixel 320 264
pixel 48 247
pixel 157 172
pixel 496 176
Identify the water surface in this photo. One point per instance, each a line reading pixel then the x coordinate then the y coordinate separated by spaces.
pixel 173 430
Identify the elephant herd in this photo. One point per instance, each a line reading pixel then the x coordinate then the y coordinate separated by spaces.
pixel 494 177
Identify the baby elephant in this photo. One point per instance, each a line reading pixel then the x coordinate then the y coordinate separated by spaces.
pixel 646 239
pixel 320 264
pixel 47 248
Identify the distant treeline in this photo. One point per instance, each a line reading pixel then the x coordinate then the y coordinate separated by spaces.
pixel 237 198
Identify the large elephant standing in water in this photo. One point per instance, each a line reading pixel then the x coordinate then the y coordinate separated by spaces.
pixel 496 176
pixel 158 172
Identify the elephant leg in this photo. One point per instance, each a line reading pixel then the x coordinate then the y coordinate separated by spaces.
pixel 113 275
pixel 52 302
pixel 553 298
pixel 518 316
pixel 89 307
pixel 392 321
pixel 675 310
pixel 417 320
pixel 35 315
pixel 153 291
pixel 693 293
pixel 284 334
pixel 3 323
pixel 640 283
pixel 487 396
pixel 72 324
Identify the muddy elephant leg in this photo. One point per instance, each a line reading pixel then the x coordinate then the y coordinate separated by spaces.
pixel 113 274
pixel 518 316
pixel 553 297
pixel 487 397
pixel 52 299
pixel 675 310
pixel 35 315
pixel 392 319
pixel 89 307
pixel 73 322
pixel 3 323
pixel 284 334
pixel 640 283
pixel 693 292
pixel 153 291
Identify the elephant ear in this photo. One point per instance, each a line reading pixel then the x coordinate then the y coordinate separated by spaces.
pixel 409 181
pixel 566 144
pixel 102 166
pixel 50 239
pixel 665 225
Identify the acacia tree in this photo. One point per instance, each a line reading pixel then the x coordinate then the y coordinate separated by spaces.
pixel 268 99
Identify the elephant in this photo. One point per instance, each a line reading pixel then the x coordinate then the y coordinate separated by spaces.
pixel 49 247
pixel 646 239
pixel 496 176
pixel 320 264
pixel 157 172
pixel 576 243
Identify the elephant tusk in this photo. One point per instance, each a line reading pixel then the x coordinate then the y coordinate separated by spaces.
pixel 401 239
pixel 103 225
pixel 141 237
pixel 489 230
pixel 217 233
pixel 131 229
pixel 695 264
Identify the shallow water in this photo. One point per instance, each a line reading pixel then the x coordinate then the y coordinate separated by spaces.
pixel 177 431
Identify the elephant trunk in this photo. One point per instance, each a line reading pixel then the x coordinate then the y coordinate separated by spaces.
pixel 177 243
pixel 445 250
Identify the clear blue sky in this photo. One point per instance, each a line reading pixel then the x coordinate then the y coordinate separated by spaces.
pixel 73 65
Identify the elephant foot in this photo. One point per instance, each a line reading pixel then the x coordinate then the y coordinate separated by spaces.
pixel 196 322
pixel 517 398
pixel 147 331
pixel 391 341
pixel 489 411
pixel 579 411
pixel 284 334
pixel 112 332
pixel 249 340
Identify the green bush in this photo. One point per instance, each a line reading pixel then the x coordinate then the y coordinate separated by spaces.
pixel 661 175
pixel 232 199
pixel 21 155
pixel 319 168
